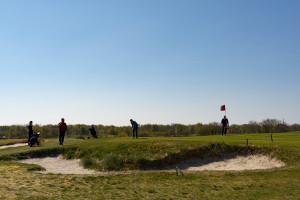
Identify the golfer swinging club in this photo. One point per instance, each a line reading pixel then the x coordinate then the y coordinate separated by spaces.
pixel 134 128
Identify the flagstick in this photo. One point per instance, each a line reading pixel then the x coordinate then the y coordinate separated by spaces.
pixel 228 123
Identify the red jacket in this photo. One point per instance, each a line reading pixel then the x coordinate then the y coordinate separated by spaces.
pixel 62 126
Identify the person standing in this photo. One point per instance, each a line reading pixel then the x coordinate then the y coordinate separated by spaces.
pixel 225 124
pixel 134 126
pixel 62 127
pixel 30 131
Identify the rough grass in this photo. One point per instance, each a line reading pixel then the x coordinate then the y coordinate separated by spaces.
pixel 18 183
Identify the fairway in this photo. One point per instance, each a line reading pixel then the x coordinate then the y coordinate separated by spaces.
pixel 128 158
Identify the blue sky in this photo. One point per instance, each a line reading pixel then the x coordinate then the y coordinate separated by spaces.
pixel 160 61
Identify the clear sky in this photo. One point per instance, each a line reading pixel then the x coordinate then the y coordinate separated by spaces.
pixel 155 61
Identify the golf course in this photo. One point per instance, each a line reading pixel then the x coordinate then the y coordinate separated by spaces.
pixel 149 100
pixel 146 168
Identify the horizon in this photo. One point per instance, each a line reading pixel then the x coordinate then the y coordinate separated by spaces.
pixel 259 122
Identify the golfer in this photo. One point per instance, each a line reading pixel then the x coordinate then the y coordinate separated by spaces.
pixel 30 131
pixel 62 128
pixel 134 126
pixel 93 131
pixel 225 124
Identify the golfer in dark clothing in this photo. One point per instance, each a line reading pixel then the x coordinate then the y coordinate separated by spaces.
pixel 93 131
pixel 134 128
pixel 30 131
pixel 225 124
pixel 62 127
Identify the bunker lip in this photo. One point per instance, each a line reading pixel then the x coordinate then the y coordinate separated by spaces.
pixel 230 162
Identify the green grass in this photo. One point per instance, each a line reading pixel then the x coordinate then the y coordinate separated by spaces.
pixel 18 182
pixel 11 141
pixel 130 154
pixel 48 146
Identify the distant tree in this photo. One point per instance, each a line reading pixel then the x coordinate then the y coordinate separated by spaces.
pixel 280 128
pixel 214 128
pixel 252 127
pixel 148 130
pixel 268 124
pixel 295 127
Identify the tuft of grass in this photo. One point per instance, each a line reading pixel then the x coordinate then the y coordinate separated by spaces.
pixel 33 167
pixel 87 161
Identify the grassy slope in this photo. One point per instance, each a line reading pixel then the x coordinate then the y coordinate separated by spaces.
pixel 282 183
pixel 11 141
pixel 47 145
pixel 136 154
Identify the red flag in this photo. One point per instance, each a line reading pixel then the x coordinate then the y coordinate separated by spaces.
pixel 222 107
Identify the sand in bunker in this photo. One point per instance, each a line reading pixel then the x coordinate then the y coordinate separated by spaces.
pixel 231 163
pixel 59 165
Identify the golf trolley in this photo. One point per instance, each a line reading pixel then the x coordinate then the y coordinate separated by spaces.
pixel 34 139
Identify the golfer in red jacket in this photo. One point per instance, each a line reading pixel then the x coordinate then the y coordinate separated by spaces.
pixel 62 127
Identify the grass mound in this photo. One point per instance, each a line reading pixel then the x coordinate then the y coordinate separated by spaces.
pixel 125 157
pixel 149 155
pixel 116 154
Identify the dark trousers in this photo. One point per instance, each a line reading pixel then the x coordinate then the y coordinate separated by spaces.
pixel 29 136
pixel 224 130
pixel 61 137
pixel 136 132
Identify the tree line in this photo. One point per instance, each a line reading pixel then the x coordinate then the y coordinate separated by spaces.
pixel 151 130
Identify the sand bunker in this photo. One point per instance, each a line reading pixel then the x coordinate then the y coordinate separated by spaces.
pixel 59 165
pixel 13 145
pixel 230 163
